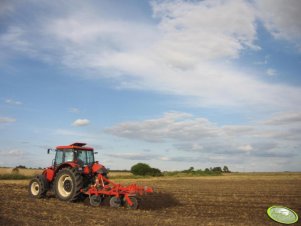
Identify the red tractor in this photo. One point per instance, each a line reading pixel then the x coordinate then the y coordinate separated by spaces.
pixel 75 173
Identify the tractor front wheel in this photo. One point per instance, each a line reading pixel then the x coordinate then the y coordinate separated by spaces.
pixel 38 187
pixel 67 184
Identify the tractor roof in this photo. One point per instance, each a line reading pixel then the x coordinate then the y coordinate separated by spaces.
pixel 76 146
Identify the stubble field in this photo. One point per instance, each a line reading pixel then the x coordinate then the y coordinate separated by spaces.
pixel 234 199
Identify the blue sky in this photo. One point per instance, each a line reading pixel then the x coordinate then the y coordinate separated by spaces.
pixel 170 83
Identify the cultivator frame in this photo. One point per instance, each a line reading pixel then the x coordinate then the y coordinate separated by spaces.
pixel 119 195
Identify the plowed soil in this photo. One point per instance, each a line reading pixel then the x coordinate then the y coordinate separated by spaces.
pixel 222 200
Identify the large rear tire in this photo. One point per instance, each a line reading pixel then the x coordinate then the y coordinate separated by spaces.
pixel 38 187
pixel 67 184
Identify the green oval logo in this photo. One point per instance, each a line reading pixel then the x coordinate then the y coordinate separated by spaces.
pixel 282 214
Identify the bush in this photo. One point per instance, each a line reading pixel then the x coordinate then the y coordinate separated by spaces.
pixel 142 169
pixel 21 167
pixel 155 172
pixel 15 170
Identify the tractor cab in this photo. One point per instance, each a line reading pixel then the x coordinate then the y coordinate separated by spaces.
pixel 74 153
pixel 72 170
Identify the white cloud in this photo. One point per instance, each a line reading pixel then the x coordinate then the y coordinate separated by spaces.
pixel 245 148
pixel 74 110
pixel 81 122
pixel 186 53
pixel 172 126
pixel 133 156
pixel 202 140
pixel 201 30
pixel 271 72
pixel 282 18
pixel 7 120
pixel 11 153
pixel 13 102
pixel 286 118
pixel 15 40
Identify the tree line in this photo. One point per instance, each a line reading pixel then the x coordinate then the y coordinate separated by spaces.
pixel 142 169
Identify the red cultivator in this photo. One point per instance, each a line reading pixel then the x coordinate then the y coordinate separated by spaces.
pixel 119 195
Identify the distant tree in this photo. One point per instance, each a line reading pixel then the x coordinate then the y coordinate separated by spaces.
pixel 190 170
pixel 207 170
pixel 21 167
pixel 155 172
pixel 140 169
pixel 217 169
pixel 143 169
pixel 226 169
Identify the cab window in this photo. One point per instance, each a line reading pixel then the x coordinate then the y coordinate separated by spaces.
pixel 68 156
pixel 59 157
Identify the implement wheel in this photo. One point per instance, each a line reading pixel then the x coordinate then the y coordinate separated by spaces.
pixel 95 200
pixel 38 187
pixel 134 201
pixel 115 202
pixel 67 184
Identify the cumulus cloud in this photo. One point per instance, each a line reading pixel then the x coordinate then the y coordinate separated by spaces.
pixel 291 118
pixel 195 30
pixel 149 157
pixel 172 126
pixel 281 18
pixel 185 51
pixel 202 140
pixel 245 148
pixel 81 122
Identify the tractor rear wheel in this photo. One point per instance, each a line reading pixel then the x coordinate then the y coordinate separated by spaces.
pixel 38 187
pixel 67 184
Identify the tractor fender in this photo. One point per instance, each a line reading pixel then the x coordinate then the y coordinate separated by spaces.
pixel 98 168
pixel 48 174
pixel 66 165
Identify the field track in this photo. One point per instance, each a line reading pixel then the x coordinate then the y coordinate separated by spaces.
pixel 235 199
